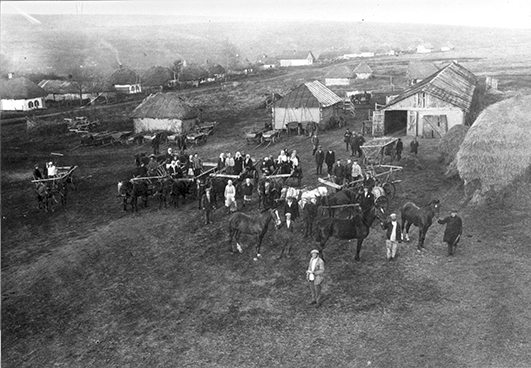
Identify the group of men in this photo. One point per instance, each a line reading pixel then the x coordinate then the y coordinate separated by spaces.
pixel 49 172
pixel 235 165
pixel 341 172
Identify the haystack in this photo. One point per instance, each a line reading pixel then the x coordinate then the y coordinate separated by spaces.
pixel 450 143
pixel 496 152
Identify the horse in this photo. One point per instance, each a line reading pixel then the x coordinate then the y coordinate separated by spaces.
pixel 284 238
pixel 309 214
pixel 179 188
pixel 268 192
pixel 341 198
pixel 162 190
pixel 131 191
pixel 357 227
pixel 43 196
pixel 243 223
pixel 412 214
pixel 60 188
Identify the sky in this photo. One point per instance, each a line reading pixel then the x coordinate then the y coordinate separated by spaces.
pixel 483 13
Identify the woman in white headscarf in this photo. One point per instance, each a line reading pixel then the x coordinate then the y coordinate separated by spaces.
pixel 230 197
pixel 282 162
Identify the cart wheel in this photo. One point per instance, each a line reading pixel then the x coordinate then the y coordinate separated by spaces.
pixel 390 189
pixel 261 139
pixel 383 203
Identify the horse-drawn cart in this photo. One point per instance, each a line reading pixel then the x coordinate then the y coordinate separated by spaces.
pixel 376 149
pixel 255 136
pixel 271 136
pixel 196 138
pixel 47 189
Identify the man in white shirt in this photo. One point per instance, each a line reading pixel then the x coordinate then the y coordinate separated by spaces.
pixel 393 236
pixel 314 275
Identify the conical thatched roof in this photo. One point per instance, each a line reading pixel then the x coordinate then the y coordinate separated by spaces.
pixel 19 88
pixel 165 106
pixel 497 148
pixel 339 71
pixel 157 76
pixel 123 76
pixel 362 68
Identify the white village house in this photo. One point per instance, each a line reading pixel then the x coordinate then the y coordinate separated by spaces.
pixel 125 81
pixel 309 102
pixel 362 71
pixel 296 58
pixel 165 111
pixel 339 75
pixel 20 94
pixel 431 107
pixel 60 90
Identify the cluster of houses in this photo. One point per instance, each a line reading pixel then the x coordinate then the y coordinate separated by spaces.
pixel 434 101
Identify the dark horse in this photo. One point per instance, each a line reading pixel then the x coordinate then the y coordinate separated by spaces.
pixel 269 191
pixel 357 227
pixel 242 223
pixel 411 214
pixel 131 191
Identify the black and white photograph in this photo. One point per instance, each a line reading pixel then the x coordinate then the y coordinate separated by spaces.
pixel 240 184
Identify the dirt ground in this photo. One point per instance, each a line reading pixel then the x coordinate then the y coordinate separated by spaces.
pixel 92 286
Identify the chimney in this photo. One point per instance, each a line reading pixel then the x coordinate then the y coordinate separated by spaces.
pixel 10 75
pixel 121 66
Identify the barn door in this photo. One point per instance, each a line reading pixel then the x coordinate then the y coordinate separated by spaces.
pixel 412 119
pixel 434 126
pixel 378 123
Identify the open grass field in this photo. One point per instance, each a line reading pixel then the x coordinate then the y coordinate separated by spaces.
pixel 92 286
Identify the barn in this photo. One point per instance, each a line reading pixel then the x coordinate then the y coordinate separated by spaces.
pixel 309 102
pixel 432 107
pixel 417 71
pixel 20 94
pixel 296 58
pixel 125 81
pixel 339 75
pixel 165 111
pixel 362 71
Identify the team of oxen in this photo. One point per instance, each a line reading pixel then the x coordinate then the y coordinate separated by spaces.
pixel 319 207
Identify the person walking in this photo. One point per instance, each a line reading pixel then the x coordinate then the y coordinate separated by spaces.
pixel 319 160
pixel 399 148
pixel 414 146
pixel 347 137
pixel 315 276
pixel 453 231
pixel 315 143
pixel 393 236
pixel 330 159
pixel 207 205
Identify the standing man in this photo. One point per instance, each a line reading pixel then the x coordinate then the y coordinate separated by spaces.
pixel 292 207
pixel 315 143
pixel 207 205
pixel 414 145
pixel 37 175
pixel 339 172
pixel 399 148
pixel 330 159
pixel 247 190
pixel 315 277
pixel 155 143
pixel 348 171
pixel 347 137
pixel 230 198
pixel 453 231
pixel 354 144
pixel 361 142
pixel 319 159
pixel 366 199
pixel 393 236
pixel 356 172
pixel 197 164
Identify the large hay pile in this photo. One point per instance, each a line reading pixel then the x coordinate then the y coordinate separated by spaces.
pixel 496 152
pixel 450 143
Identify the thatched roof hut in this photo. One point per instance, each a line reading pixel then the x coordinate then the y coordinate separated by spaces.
pixel 165 111
pixel 497 149
pixel 451 141
pixel 123 76
pixel 157 76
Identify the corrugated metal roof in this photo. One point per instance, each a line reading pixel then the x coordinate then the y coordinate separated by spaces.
pixel 310 94
pixel 453 84
pixel 19 88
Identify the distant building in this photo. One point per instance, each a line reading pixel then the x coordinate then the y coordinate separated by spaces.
pixel 156 78
pixel 431 107
pixel 125 81
pixel 20 94
pixel 59 90
pixel 268 62
pixel 362 71
pixel 339 75
pixel 424 48
pixel 165 111
pixel 417 71
pixel 296 58
pixel 309 102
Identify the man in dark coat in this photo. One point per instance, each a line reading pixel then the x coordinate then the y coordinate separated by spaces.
pixel 453 231
pixel 360 142
pixel 330 159
pixel 339 172
pixel 207 204
pixel 319 159
pixel 291 206
pixel 414 145
pixel 393 236
pixel 399 148
pixel 155 144
pixel 347 137
pixel 37 175
pixel 366 199
pixel 315 143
